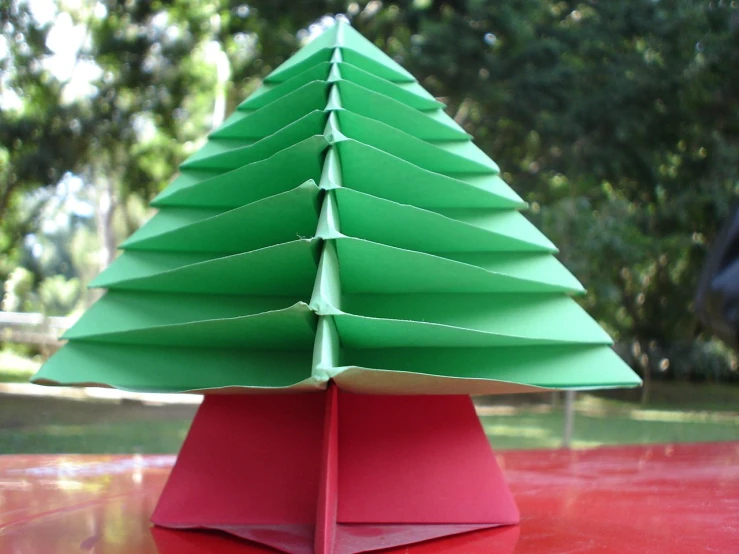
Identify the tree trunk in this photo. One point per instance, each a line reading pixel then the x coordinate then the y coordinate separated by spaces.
pixel 223 73
pixel 569 419
pixel 105 210
pixel 647 377
pixel 555 399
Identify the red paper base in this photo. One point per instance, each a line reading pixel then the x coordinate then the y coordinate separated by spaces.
pixel 335 472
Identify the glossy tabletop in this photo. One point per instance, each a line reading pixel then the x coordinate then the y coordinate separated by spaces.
pixel 642 499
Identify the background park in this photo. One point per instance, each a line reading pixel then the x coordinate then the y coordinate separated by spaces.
pixel 617 122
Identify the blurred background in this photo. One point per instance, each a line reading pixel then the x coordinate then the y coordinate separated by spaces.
pixel 617 121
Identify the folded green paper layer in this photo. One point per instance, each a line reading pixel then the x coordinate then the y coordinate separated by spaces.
pixel 267 94
pixel 413 228
pixel 338 226
pixel 284 217
pixel 369 267
pixel 294 67
pixel 217 321
pixel 226 155
pixel 430 125
pixel 463 320
pixel 453 158
pixel 410 94
pixel 273 117
pixel 370 170
pixel 351 46
pixel 122 311
pixel 540 367
pixel 287 268
pixel 143 368
pixel 278 173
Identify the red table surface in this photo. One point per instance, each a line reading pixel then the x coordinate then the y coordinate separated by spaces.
pixel 641 499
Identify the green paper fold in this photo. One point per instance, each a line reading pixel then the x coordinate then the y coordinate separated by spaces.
pixel 338 226
pixel 278 173
pixel 284 217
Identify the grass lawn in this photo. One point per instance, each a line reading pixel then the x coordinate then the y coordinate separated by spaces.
pixel 53 425
pixel 15 368
pixel 532 430
pixel 31 425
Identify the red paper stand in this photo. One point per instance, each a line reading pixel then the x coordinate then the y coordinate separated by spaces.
pixel 336 472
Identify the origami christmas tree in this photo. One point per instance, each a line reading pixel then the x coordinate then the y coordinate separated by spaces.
pixel 340 237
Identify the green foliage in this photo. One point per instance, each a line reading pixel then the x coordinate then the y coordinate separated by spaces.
pixel 53 296
pixel 617 121
pixel 18 291
pixel 59 296
pixel 16 366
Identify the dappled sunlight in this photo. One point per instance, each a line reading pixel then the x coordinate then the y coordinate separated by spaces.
pixel 97 437
pixel 587 402
pixel 63 430
pixel 586 444
pixel 731 418
pixel 515 431
pixel 72 485
pixel 521 432
pixel 599 422
pixel 513 410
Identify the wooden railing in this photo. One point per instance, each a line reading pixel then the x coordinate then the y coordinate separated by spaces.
pixel 33 328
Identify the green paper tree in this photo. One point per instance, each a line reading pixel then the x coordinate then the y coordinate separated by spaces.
pixel 339 225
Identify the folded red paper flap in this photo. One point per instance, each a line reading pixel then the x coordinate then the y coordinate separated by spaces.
pixel 418 459
pixel 292 539
pixel 328 489
pixel 354 539
pixel 169 541
pixel 247 460
pixel 498 540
